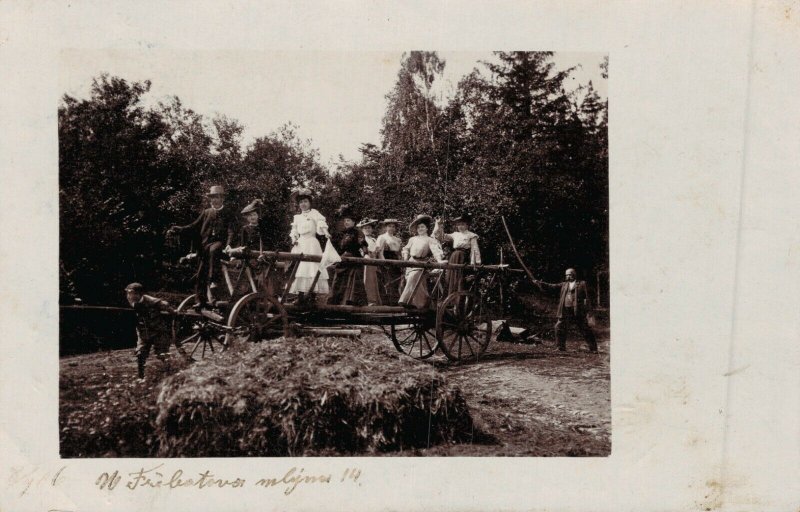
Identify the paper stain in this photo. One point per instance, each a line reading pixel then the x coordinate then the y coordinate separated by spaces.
pixel 713 498
pixel 719 496
pixel 736 370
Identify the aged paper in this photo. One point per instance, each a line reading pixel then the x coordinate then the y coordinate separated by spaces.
pixel 705 257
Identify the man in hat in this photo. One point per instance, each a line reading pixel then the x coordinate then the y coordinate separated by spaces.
pixel 153 329
pixel 214 230
pixel 573 305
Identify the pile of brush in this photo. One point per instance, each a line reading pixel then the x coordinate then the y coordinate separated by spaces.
pixel 308 396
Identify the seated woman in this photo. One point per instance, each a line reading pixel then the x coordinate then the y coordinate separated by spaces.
pixel 465 248
pixel 369 249
pixel 306 225
pixel 389 246
pixel 419 248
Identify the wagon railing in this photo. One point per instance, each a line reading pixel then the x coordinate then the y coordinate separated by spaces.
pixel 346 260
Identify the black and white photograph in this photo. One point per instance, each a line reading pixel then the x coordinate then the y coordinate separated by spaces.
pixel 286 254
pixel 372 255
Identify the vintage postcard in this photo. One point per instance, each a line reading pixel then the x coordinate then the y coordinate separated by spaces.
pixel 399 257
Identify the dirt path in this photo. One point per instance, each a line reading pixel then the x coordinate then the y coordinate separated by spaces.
pixel 537 401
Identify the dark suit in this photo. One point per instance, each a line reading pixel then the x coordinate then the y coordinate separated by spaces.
pixel 572 308
pixel 213 229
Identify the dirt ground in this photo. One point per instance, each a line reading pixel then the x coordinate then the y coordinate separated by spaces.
pixel 537 401
pixel 529 400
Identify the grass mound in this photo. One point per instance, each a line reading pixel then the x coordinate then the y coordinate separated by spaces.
pixel 308 396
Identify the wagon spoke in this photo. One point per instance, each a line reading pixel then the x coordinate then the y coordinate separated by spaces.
pixel 449 339
pixel 427 341
pixel 187 340
pixel 196 345
pixel 412 333
pixel 469 345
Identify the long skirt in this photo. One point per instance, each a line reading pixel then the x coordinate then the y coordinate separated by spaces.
pixel 415 291
pixel 455 278
pixel 391 279
pixel 371 285
pixel 307 270
pixel 344 286
pixel 343 289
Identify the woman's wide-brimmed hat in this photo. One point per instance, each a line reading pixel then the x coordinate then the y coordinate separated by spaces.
pixel 345 211
pixel 420 219
pixel 216 190
pixel 303 193
pixel 252 207
pixel 464 217
pixel 390 221
pixel 367 222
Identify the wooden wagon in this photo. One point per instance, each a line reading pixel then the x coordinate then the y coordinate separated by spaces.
pixel 257 307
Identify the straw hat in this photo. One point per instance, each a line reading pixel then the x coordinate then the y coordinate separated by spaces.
pixel 420 219
pixel 252 207
pixel 390 221
pixel 303 193
pixel 216 190
pixel 367 222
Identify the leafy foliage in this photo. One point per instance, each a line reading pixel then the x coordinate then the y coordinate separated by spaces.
pixel 510 142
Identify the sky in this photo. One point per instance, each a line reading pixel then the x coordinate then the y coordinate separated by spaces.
pixel 336 99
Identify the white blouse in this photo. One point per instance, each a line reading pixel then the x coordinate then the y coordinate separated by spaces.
pixel 386 241
pixel 419 247
pixel 308 223
pixel 372 246
pixel 466 240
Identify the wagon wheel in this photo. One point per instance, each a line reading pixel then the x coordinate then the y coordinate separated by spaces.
pixel 462 326
pixel 182 331
pixel 416 339
pixel 195 333
pixel 256 316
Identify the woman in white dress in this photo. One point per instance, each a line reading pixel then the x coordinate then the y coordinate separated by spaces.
pixel 423 248
pixel 306 225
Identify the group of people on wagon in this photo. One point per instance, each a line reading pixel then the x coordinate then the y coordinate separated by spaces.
pixel 216 230
pixel 388 285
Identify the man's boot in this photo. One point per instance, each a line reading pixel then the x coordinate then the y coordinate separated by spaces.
pixel 140 358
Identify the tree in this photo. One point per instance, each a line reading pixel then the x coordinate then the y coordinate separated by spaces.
pixel 112 186
pixel 273 166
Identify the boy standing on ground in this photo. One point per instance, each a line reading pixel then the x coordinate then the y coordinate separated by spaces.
pixel 214 228
pixel 152 327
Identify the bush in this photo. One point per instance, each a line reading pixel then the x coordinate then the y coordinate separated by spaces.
pixel 308 396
